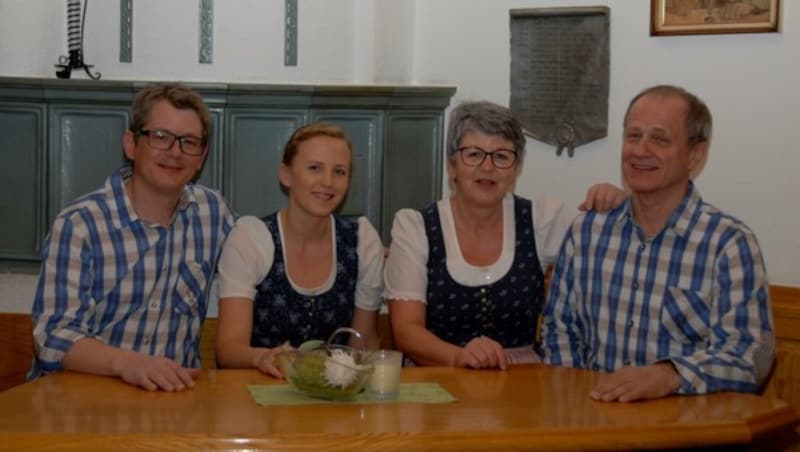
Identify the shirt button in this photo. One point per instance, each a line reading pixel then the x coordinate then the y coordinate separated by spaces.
pixel 627 362
pixel 642 246
pixel 153 305
pixel 630 323
pixel 483 300
pixel 483 290
pixel 146 341
pixel 635 285
pixel 483 309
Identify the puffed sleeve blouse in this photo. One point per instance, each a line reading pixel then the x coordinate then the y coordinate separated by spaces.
pixel 406 273
pixel 249 253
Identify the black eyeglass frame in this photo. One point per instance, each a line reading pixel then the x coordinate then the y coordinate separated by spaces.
pixel 179 138
pixel 488 153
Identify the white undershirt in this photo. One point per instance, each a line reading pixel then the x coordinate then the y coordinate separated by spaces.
pixel 249 252
pixel 406 274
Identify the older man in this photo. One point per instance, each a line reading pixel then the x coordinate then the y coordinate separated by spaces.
pixel 665 294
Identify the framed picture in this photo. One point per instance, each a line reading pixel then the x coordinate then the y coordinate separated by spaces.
pixel 689 17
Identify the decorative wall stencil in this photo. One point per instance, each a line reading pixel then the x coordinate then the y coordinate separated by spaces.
pixel 559 74
pixel 206 31
pixel 125 31
pixel 290 33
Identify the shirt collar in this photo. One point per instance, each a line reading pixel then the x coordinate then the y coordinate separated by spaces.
pixel 123 214
pixel 681 219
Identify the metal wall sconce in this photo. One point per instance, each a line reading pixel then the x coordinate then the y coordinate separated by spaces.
pixel 75 24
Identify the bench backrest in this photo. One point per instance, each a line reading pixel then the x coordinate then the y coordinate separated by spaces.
pixel 16 348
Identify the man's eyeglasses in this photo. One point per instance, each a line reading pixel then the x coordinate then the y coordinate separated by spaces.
pixel 501 158
pixel 164 139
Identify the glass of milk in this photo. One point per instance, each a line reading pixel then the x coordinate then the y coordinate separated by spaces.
pixel 385 380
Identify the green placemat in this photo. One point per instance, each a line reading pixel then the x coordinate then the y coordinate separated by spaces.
pixel 271 395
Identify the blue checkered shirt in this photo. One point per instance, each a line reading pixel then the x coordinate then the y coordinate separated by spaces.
pixel 108 275
pixel 696 294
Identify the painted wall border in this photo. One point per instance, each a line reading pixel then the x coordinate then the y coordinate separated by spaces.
pixel 206 32
pixel 125 31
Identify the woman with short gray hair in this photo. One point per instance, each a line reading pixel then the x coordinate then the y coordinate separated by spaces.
pixel 464 278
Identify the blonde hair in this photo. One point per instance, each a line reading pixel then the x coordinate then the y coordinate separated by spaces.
pixel 308 132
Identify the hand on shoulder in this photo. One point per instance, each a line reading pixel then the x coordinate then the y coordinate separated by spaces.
pixel 603 197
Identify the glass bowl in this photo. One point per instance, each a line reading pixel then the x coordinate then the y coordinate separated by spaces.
pixel 332 372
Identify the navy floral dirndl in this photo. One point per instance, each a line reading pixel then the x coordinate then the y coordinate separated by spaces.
pixel 506 310
pixel 282 314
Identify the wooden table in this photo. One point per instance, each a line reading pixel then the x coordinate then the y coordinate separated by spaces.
pixel 532 406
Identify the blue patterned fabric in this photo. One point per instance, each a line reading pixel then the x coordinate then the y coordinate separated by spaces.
pixel 282 314
pixel 506 310
pixel 696 294
pixel 110 276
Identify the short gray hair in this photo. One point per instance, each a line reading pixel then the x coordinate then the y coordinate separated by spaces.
pixel 487 118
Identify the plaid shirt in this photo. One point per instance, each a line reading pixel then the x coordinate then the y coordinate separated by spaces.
pixel 110 276
pixel 696 294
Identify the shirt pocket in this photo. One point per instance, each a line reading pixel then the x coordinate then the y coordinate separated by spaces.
pixel 685 315
pixel 189 295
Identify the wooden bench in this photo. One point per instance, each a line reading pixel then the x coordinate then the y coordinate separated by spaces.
pixel 16 345
pixel 16 348
pixel 785 381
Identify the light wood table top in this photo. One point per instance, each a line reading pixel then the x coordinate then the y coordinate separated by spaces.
pixel 533 406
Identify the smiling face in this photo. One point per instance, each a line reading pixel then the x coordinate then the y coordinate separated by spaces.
pixel 657 158
pixel 485 184
pixel 318 176
pixel 165 172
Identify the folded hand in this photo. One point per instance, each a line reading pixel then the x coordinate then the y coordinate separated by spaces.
pixel 267 362
pixel 482 353
pixel 157 373
pixel 636 383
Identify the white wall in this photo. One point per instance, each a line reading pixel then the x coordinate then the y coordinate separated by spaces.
pixel 247 34
pixel 749 81
pixel 394 42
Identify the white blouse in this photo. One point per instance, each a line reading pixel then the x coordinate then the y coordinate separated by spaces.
pixel 406 274
pixel 249 252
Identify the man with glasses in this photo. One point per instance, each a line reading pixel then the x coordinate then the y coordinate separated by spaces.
pixel 123 287
pixel 664 294
pixel 464 277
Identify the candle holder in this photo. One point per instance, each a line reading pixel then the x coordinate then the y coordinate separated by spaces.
pixel 75 23
pixel 384 383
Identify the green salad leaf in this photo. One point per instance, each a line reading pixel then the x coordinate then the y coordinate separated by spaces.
pixel 309 377
pixel 309 345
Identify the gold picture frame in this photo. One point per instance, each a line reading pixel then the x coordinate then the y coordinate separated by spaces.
pixel 689 17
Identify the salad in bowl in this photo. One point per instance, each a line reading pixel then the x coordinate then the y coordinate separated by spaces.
pixel 326 370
